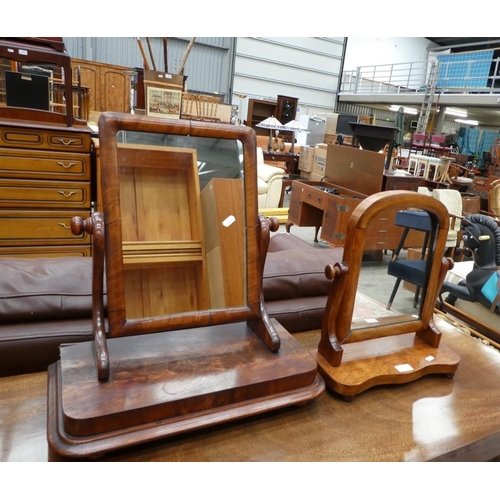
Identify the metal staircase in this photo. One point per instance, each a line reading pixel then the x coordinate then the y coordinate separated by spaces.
pixel 430 90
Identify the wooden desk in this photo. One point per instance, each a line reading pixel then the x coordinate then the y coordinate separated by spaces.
pixel 329 206
pixel 433 418
pixel 290 160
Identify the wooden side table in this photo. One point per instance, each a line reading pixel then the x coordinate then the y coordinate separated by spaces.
pixel 290 160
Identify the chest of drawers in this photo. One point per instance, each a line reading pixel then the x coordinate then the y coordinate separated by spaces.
pixel 46 176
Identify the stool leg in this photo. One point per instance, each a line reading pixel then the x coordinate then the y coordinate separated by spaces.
pixel 415 299
pixel 393 294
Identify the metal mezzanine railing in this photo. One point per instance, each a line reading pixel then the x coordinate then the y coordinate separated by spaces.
pixel 468 76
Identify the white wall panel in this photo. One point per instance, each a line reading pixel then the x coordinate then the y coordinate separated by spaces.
pixel 303 67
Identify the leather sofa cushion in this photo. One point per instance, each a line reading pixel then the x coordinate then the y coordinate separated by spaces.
pixel 292 274
pixel 45 288
pixel 32 347
pixel 288 241
pixel 298 315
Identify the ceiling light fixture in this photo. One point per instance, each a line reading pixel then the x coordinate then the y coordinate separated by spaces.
pixel 408 111
pixel 461 113
pixel 467 122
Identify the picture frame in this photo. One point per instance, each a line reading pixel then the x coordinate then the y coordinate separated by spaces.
pixel 163 102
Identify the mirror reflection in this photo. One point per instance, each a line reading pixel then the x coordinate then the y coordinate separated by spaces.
pixel 182 222
pixel 409 266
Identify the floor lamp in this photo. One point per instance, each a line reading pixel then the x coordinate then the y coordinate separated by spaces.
pixel 272 124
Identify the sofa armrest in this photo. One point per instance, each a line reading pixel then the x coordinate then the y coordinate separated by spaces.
pixel 268 172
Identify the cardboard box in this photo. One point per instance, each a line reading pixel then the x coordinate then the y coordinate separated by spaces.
pixel 331 124
pixel 306 158
pixel 311 176
pixel 356 169
pixel 319 161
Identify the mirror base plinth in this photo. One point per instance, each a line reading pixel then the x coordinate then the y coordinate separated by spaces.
pixel 165 384
pixel 385 361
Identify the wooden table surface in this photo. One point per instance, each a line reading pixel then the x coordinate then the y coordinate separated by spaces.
pixel 433 418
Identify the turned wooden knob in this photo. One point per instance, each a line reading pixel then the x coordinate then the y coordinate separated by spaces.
pixel 274 224
pixel 79 225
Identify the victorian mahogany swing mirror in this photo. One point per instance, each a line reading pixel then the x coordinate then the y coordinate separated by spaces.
pixel 354 353
pixel 186 341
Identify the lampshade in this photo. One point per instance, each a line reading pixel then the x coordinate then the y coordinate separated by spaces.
pixel 271 123
pixel 295 125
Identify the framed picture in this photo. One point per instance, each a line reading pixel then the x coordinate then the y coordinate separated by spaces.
pixel 163 102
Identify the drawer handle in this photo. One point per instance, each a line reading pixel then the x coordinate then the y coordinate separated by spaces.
pixel 61 163
pixel 66 142
pixel 71 193
pixel 64 225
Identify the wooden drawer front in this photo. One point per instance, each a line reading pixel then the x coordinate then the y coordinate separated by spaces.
pixel 55 251
pixel 63 141
pixel 314 196
pixel 27 164
pixel 382 233
pixel 40 228
pixel 44 194
pixel 44 139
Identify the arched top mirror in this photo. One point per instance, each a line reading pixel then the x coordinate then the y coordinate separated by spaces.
pixel 355 355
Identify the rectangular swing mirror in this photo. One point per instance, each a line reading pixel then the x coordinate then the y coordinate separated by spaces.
pixel 178 242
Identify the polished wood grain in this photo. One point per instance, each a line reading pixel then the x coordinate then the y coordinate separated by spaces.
pixel 433 418
pixel 379 359
pixel 169 383
pixel 173 362
pixel 46 178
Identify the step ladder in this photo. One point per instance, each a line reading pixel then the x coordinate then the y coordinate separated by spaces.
pixel 430 90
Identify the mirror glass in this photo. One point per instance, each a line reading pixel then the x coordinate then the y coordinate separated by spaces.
pixel 414 236
pixel 182 223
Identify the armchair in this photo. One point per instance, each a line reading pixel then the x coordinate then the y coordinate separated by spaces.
pixel 459 176
pixel 452 200
pixel 269 182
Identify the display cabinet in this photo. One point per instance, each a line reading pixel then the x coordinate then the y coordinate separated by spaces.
pixel 258 111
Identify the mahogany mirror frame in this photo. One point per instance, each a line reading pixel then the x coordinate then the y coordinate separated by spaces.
pixel 109 126
pixel 336 328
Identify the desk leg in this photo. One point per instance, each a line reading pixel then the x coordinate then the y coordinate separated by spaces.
pixel 316 234
pixel 288 225
pixel 286 183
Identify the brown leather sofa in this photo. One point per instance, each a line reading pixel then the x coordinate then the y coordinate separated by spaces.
pixel 44 302
pixel 47 302
pixel 295 287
